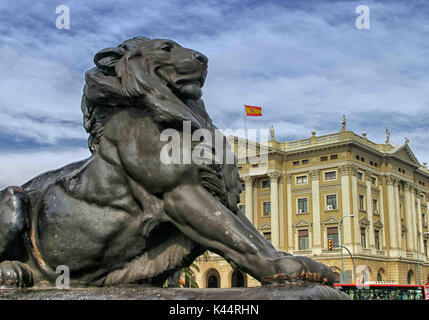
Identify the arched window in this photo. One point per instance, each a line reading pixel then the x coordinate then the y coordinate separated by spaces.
pixel 380 274
pixel 213 279
pixel 410 277
pixel 238 279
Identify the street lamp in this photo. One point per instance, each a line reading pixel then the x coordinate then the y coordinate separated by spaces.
pixel 341 246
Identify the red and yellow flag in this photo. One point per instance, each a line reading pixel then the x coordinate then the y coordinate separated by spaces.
pixel 253 111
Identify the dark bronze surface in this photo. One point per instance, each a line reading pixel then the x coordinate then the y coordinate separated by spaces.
pixel 290 292
pixel 122 216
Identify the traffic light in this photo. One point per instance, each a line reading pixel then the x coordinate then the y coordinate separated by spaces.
pixel 330 244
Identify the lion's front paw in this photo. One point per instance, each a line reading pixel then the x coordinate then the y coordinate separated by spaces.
pixel 15 274
pixel 299 268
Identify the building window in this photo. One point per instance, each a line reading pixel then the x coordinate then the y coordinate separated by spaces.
pixel 375 206
pixel 303 205
pixel 243 208
pixel 371 162
pixel 213 279
pixel 360 175
pixel 363 236
pixel 265 183
pixel 377 239
pixel 267 208
pixel 334 156
pixel 357 157
pixel 331 202
pixel 295 163
pixel 243 186
pixel 305 161
pixel 424 220
pixel 362 159
pixel 324 158
pixel 304 241
pixel 267 236
pixel 330 175
pixel 361 202
pixel 410 277
pixel 255 165
pixel 302 179
pixel 237 279
pixel 333 235
pixel 379 276
pixel 374 181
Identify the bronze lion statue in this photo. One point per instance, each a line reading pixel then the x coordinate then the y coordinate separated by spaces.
pixel 123 216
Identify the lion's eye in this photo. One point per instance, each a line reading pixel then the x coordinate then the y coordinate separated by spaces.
pixel 167 47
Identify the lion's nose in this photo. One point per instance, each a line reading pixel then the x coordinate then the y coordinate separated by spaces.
pixel 200 57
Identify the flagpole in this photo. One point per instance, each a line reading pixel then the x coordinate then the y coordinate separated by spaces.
pixel 245 122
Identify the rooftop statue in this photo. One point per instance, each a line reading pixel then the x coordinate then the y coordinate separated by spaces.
pixel 123 216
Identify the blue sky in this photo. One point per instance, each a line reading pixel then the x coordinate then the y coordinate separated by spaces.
pixel 304 62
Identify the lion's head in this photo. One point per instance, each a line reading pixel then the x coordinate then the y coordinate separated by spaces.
pixel 159 74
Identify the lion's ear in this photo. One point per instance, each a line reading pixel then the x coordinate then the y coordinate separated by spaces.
pixel 106 59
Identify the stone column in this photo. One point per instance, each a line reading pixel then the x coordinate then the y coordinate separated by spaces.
pixel 391 216
pixel 281 215
pixel 427 211
pixel 289 212
pixel 414 217
pixel 249 197
pixel 315 196
pixel 409 217
pixel 381 202
pixel 275 225
pixel 355 201
pixel 398 215
pixel 370 211
pixel 420 224
pixel 345 201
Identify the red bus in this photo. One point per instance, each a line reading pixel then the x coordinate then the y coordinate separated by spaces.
pixel 376 291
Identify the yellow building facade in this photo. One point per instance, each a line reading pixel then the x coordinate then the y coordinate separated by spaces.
pixel 371 198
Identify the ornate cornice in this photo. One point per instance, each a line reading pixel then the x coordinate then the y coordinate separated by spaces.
pixel 378 225
pixel 344 169
pixel 248 181
pixel 391 179
pixel 364 222
pixel 274 176
pixel 330 220
pixel 314 174
pixel 408 186
pixel 302 223
pixel 353 170
pixel 265 226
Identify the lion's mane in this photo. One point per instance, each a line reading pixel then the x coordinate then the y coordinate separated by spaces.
pixel 121 80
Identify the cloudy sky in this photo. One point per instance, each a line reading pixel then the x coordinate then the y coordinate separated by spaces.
pixel 304 62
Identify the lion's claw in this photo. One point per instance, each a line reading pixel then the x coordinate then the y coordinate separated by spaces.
pixel 14 274
pixel 298 269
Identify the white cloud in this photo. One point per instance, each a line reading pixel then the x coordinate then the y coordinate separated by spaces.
pixel 19 167
pixel 305 64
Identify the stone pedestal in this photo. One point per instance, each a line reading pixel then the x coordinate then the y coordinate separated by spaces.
pixel 286 292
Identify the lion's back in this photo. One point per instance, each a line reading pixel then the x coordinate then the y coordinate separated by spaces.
pixel 36 186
